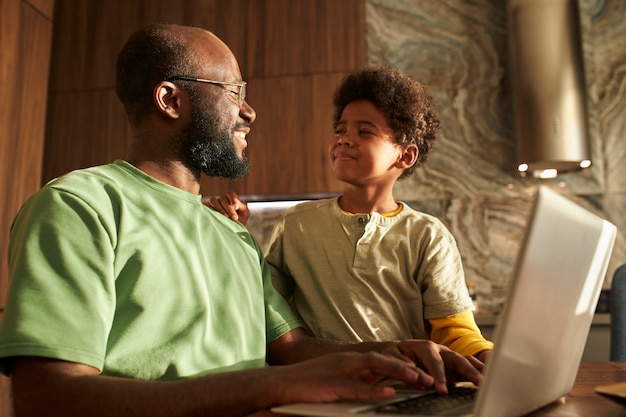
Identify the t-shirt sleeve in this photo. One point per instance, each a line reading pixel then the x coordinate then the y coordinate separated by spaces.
pixel 443 280
pixel 460 333
pixel 279 317
pixel 282 280
pixel 61 293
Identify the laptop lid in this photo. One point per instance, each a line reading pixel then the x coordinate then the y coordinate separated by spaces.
pixel 543 328
pixel 541 333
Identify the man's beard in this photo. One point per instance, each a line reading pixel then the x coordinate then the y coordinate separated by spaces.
pixel 210 150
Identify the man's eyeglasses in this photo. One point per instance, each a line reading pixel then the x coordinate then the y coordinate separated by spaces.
pixel 241 94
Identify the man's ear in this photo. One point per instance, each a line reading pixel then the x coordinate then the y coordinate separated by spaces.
pixel 408 157
pixel 167 98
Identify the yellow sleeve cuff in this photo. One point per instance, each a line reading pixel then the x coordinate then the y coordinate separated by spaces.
pixel 460 333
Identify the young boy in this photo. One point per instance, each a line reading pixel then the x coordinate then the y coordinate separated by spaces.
pixel 363 266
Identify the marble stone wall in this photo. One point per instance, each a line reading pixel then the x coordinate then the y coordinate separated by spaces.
pixel 459 49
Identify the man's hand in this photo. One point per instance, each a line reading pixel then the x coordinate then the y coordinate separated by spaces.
pixel 444 365
pixel 71 389
pixel 435 365
pixel 345 376
pixel 483 356
pixel 230 206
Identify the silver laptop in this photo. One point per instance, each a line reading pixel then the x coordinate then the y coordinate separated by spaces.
pixel 541 333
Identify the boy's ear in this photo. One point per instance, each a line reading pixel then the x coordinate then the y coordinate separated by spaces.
pixel 408 157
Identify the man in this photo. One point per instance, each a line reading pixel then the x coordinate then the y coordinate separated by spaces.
pixel 128 297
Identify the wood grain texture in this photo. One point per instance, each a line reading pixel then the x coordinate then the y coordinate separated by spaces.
pixel 44 7
pixel 25 38
pixel 9 45
pixel 291 53
pixel 88 128
pixel 305 37
pixel 89 34
pixel 6 407
pixel 287 148
pixel 9 111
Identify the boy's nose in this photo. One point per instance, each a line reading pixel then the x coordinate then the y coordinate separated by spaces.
pixel 344 140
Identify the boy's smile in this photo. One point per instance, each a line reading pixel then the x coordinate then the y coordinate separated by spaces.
pixel 363 149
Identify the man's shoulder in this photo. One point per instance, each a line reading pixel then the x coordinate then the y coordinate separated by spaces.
pixel 83 178
pixel 92 186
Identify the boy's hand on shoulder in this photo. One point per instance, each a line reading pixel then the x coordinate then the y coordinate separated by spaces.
pixel 230 206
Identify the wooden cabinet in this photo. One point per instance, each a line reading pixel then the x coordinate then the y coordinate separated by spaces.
pixel 291 53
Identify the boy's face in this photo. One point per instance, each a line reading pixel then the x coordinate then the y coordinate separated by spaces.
pixel 363 150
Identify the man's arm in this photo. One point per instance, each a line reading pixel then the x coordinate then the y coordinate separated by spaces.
pixel 56 388
pixel 437 364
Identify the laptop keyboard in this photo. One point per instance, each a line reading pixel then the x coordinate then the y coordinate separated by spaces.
pixel 458 401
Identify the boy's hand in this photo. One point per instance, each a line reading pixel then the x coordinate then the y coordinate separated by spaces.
pixel 230 206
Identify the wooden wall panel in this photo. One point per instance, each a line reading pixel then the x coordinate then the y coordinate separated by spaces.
pixel 86 45
pixel 44 7
pixel 298 40
pixel 25 38
pixel 84 111
pixel 297 52
pixel 305 37
pixel 9 112
pixel 28 152
pixel 288 144
pixel 97 133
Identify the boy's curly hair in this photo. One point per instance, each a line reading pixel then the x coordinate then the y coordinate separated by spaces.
pixel 407 105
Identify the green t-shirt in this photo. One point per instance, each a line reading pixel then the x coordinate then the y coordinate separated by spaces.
pixel 112 268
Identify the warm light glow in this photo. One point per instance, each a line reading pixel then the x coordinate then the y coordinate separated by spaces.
pixel 585 163
pixel 522 167
pixel 546 173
